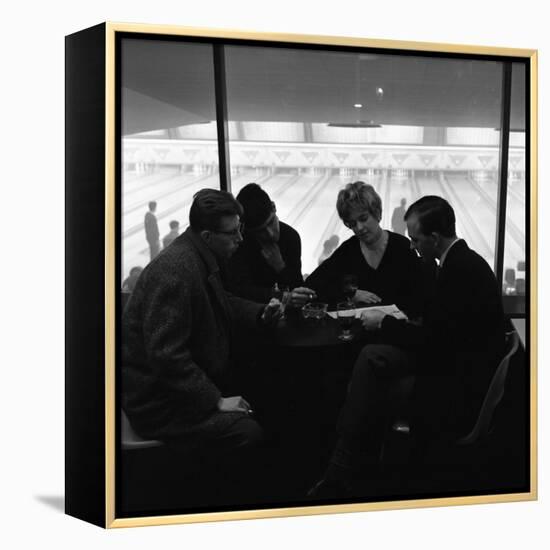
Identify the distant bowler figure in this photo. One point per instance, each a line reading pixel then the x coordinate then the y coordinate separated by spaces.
pixel 152 230
pixel 130 281
pixel 398 224
pixel 329 246
pixel 174 232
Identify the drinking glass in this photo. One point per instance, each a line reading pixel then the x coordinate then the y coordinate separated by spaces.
pixel 282 293
pixel 349 287
pixel 345 313
pixel 285 299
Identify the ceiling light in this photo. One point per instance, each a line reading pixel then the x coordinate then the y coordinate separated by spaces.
pixel 358 105
pixel 358 124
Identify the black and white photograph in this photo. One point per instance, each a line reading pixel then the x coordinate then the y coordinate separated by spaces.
pixel 275 275
pixel 324 275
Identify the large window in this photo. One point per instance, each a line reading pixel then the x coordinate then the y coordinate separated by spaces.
pixel 304 122
pixel 169 148
pixel 381 118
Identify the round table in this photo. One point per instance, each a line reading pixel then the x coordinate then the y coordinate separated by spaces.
pixel 296 332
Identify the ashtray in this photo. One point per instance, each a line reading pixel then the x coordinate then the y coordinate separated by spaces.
pixel 314 310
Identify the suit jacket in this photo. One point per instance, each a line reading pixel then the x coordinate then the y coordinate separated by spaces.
pixel 177 332
pixel 151 228
pixel 459 343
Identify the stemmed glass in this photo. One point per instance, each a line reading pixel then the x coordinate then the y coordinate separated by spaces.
pixel 346 315
pixel 349 287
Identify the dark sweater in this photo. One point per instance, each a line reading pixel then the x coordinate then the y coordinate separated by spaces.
pixel 248 274
pixel 397 280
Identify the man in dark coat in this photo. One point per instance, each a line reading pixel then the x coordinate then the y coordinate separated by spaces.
pixel 269 259
pixel 453 353
pixel 152 230
pixel 177 330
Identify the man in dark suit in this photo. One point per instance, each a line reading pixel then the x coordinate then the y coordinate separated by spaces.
pixel 453 353
pixel 152 230
pixel 178 381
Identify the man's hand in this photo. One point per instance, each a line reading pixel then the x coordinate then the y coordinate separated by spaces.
pixel 236 403
pixel 301 296
pixel 372 318
pixel 272 312
pixel 366 297
pixel 272 255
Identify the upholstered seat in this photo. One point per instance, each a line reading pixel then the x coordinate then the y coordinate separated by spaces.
pixel 130 440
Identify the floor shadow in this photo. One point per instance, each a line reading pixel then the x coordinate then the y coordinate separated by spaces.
pixel 57 502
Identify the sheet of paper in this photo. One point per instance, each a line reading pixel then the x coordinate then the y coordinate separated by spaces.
pixel 392 310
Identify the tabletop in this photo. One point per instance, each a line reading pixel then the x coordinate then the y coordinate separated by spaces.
pixel 296 332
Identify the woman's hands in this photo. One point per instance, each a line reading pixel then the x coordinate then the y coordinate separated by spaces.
pixel 366 297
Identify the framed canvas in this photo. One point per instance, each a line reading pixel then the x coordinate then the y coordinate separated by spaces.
pixel 155 114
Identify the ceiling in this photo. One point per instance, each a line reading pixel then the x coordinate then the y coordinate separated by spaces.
pixel 167 84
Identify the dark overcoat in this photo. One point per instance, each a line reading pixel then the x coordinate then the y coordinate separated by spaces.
pixel 176 339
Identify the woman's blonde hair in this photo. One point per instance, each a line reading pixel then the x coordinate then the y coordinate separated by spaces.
pixel 359 196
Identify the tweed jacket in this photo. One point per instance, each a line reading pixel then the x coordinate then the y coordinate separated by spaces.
pixel 176 339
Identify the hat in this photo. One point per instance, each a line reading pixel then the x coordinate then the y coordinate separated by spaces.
pixel 256 204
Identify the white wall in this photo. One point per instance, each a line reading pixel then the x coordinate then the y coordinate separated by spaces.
pixel 32 273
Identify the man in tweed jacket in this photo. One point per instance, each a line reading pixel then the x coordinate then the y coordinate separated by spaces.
pixel 177 333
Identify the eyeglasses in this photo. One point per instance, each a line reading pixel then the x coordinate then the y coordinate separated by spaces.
pixel 233 233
